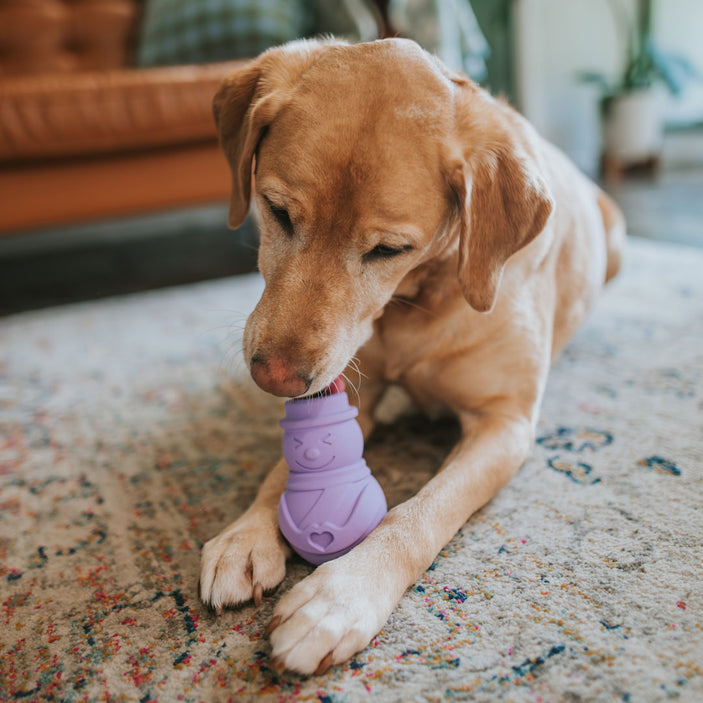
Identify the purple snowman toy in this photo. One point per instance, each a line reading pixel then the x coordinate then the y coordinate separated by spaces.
pixel 331 501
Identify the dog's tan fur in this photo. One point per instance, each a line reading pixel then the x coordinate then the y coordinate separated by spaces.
pixel 507 245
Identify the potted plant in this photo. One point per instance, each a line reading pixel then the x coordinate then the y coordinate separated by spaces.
pixel 632 107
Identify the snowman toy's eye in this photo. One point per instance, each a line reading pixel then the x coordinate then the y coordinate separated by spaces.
pixel 298 442
pixel 328 439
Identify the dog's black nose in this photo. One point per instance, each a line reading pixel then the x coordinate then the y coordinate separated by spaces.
pixel 278 376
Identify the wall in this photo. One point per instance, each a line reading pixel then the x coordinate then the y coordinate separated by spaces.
pixel 678 28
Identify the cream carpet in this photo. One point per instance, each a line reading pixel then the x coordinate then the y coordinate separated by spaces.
pixel 130 434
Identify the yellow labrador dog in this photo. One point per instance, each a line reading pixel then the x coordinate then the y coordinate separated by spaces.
pixel 382 177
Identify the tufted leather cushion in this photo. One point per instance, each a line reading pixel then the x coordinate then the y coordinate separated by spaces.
pixel 64 36
pixel 107 112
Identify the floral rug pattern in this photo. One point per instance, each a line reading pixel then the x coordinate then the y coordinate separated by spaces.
pixel 130 434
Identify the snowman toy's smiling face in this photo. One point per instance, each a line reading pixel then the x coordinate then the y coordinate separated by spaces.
pixel 313 450
pixel 321 433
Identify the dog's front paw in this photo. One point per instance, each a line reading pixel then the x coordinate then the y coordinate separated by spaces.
pixel 330 615
pixel 244 560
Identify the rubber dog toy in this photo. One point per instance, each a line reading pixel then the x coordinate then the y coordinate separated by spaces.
pixel 331 501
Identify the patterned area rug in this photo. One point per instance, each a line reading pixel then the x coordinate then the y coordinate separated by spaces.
pixel 130 434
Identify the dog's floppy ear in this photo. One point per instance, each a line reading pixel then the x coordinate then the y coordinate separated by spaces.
pixel 232 107
pixel 503 201
pixel 245 105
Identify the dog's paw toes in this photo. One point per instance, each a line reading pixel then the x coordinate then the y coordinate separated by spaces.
pixel 324 620
pixel 241 564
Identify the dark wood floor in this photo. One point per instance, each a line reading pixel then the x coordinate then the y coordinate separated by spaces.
pixel 71 264
pixel 668 206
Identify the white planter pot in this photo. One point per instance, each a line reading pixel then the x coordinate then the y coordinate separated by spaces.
pixel 633 127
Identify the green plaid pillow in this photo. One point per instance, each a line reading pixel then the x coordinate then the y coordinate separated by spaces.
pixel 201 31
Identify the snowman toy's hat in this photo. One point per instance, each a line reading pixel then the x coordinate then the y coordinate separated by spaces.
pixel 305 413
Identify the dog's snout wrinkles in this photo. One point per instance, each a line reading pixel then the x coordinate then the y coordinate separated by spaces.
pixel 277 376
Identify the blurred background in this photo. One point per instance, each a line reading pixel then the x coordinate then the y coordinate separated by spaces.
pixel 111 179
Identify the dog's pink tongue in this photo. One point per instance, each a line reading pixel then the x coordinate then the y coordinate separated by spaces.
pixel 337 386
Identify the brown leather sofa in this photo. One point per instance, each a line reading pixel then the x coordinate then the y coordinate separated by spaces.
pixel 83 135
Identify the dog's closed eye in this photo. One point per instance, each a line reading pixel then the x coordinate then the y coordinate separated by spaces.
pixel 282 217
pixel 384 251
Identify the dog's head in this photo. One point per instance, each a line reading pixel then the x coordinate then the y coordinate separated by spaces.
pixel 368 161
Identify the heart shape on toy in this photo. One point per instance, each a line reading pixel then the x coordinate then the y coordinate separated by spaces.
pixel 321 540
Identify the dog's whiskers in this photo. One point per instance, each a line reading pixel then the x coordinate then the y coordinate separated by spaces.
pixel 354 361
pixel 353 386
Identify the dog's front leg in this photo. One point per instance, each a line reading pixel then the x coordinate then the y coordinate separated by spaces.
pixel 248 557
pixel 334 612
